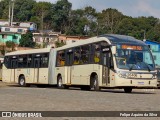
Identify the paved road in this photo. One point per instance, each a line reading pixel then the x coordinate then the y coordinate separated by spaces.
pixel 13 98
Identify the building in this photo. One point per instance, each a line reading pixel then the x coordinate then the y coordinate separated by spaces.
pixel 11 33
pixel 10 36
pixel 46 38
pixel 155 48
pixel 30 25
pixel 70 39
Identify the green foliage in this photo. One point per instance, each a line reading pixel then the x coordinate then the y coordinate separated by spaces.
pixel 42 12
pixel 59 44
pixel 27 40
pixel 22 10
pixel 154 33
pixel 3 52
pixel 10 44
pixel 59 16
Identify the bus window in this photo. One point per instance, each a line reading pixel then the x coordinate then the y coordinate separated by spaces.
pixel 44 62
pixel 85 54
pixel 77 56
pixel 22 61
pixel 61 58
pixel 7 62
pixel 29 61
pixel 96 53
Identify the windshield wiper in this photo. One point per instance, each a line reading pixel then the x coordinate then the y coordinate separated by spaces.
pixel 131 67
pixel 147 66
pixel 144 63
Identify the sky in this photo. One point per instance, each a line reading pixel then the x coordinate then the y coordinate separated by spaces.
pixel 134 8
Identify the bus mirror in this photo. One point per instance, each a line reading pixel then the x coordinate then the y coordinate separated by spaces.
pixel 113 49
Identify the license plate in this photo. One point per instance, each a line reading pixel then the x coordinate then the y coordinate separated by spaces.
pixel 141 83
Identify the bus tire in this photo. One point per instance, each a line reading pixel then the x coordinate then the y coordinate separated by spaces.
pixel 128 90
pixel 94 83
pixel 22 82
pixel 60 82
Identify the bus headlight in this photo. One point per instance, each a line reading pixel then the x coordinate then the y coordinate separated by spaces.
pixel 122 75
pixel 154 76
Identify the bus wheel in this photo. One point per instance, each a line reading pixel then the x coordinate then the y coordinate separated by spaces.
pixel 94 83
pixel 128 90
pixel 22 81
pixel 59 82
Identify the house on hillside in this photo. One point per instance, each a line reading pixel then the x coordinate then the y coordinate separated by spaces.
pixel 70 39
pixel 46 38
pixel 30 25
pixel 11 33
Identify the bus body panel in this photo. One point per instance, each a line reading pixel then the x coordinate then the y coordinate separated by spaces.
pixel 51 67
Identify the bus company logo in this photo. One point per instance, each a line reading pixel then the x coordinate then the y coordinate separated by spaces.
pixel 21 114
pixel 6 114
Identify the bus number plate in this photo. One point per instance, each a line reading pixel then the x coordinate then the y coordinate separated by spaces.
pixel 131 75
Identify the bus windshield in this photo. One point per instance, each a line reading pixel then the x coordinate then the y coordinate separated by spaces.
pixel 134 57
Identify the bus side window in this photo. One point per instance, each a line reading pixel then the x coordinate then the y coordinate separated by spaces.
pixel 61 58
pixel 7 62
pixel 22 61
pixel 96 57
pixel 96 53
pixel 76 60
pixel 29 61
pixel 85 54
pixel 44 62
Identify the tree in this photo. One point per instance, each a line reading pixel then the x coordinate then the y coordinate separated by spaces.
pixel 59 44
pixel 136 27
pixel 82 22
pixel 10 44
pixel 42 12
pixel 76 23
pixel 91 15
pixel 4 8
pixel 109 19
pixel 23 10
pixel 60 15
pixel 27 40
pixel 154 33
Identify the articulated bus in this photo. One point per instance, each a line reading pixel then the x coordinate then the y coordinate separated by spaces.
pixel 27 67
pixel 106 61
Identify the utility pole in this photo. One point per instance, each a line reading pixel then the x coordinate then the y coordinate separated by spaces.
pixel 12 12
pixel 9 14
pixel 144 36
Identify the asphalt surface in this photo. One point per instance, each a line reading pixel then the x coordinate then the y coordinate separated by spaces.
pixel 14 98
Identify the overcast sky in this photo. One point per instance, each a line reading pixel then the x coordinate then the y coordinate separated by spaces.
pixel 132 8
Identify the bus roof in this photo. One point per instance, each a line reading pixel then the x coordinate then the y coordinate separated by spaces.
pixel 112 39
pixel 32 51
pixel 115 39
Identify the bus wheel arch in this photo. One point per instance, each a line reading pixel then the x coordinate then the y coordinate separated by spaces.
pixel 94 83
pixel 59 81
pixel 21 80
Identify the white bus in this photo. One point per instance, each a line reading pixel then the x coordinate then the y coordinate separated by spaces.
pixel 1 62
pixel 27 67
pixel 106 61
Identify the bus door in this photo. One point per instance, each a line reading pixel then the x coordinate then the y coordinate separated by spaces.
pixel 69 65
pixel 37 61
pixel 106 62
pixel 13 69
